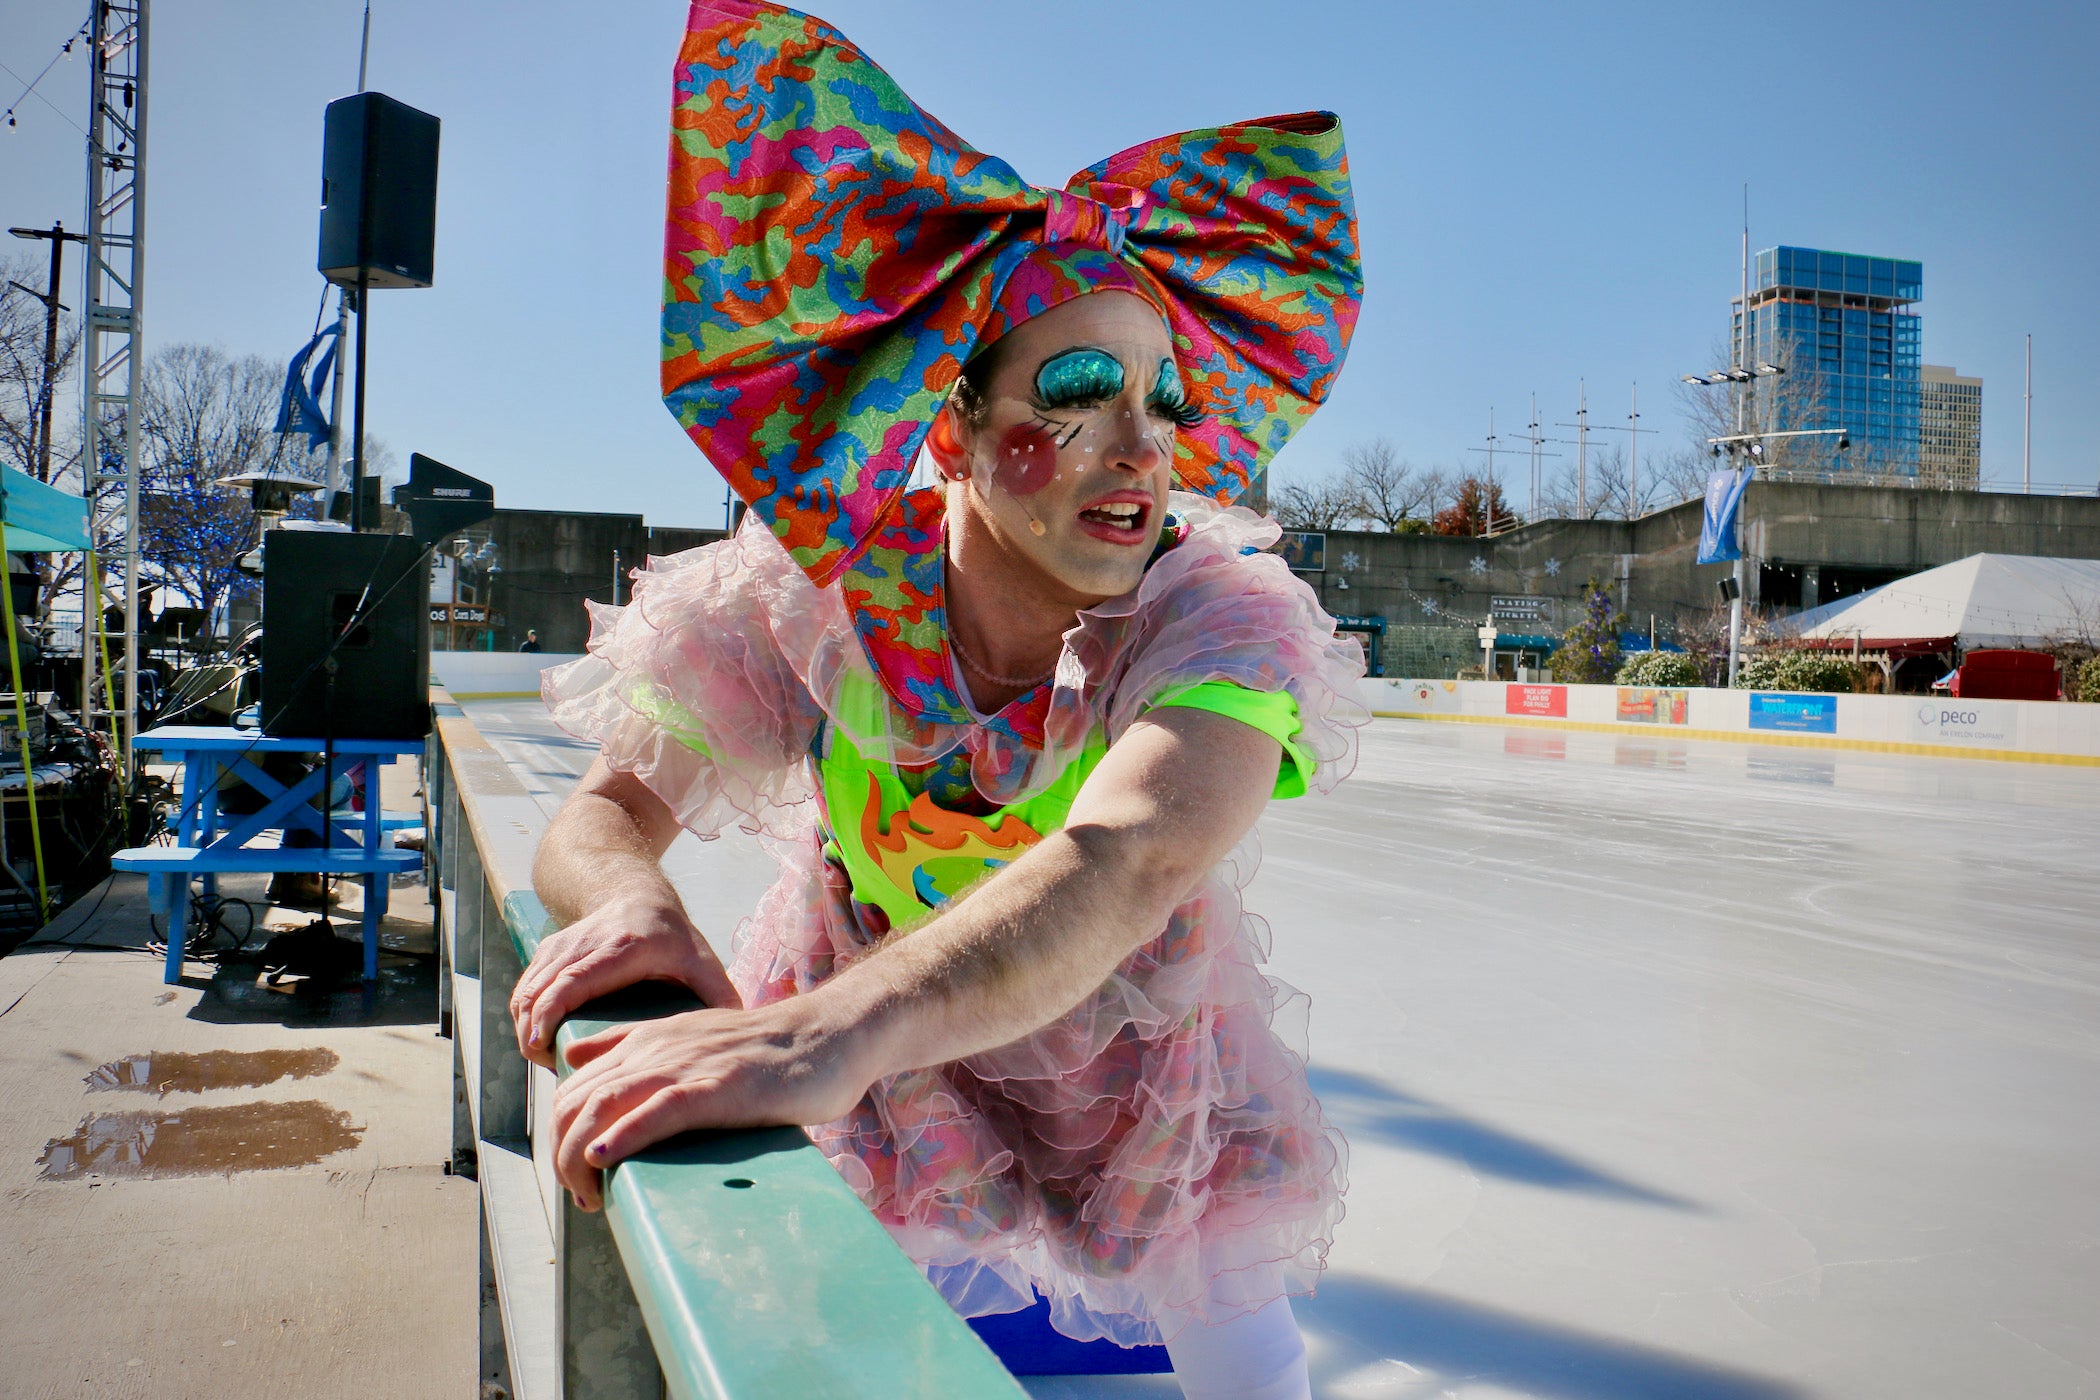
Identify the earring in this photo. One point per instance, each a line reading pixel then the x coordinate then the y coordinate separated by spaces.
pixel 947 449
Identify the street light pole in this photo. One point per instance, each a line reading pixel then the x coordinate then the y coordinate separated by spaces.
pixel 58 238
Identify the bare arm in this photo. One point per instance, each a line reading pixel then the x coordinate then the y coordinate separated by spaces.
pixel 1170 799
pixel 606 842
pixel 599 871
pixel 1168 802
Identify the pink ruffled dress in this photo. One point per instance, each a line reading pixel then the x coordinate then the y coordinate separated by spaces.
pixel 1155 1152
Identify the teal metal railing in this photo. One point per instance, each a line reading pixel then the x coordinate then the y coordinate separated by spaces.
pixel 725 1266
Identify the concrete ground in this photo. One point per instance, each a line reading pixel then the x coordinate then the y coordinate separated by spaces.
pixel 221 1190
pixel 1670 1068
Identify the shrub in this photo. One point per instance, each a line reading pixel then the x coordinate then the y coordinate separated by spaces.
pixel 1661 668
pixel 2087 685
pixel 1793 668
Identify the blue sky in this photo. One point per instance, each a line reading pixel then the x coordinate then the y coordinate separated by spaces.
pixel 1546 193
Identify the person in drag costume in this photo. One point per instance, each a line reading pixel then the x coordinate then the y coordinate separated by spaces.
pixel 1007 735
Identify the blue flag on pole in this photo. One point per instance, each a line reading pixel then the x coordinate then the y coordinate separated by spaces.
pixel 299 410
pixel 1717 526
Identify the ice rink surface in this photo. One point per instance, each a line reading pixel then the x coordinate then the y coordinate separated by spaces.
pixel 1672 1068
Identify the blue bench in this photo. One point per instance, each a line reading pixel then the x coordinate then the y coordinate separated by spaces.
pixel 169 869
pixel 209 843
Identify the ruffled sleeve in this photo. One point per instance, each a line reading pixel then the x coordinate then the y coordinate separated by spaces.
pixel 688 689
pixel 1218 608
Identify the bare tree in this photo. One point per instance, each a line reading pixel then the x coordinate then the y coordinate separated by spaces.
pixel 26 382
pixel 203 417
pixel 1779 403
pixel 1676 475
pixel 1391 492
pixel 1327 503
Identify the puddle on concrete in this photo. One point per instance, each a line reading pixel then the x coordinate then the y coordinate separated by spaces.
pixel 200 1141
pixel 167 1072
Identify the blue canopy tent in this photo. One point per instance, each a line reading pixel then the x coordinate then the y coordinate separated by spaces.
pixel 34 519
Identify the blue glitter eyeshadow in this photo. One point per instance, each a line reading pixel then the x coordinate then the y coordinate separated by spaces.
pixel 1078 376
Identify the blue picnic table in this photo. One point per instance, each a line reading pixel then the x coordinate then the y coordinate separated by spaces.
pixel 210 842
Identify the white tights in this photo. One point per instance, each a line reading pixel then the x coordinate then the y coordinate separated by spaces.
pixel 1255 1356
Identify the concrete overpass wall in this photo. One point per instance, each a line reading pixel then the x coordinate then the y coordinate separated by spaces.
pixel 1821 539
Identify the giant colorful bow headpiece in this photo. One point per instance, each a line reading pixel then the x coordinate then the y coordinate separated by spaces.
pixel 833 256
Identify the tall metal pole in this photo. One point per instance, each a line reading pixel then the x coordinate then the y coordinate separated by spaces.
pixel 1533 429
pixel 342 337
pixel 335 405
pixel 132 460
pixel 58 238
pixel 2027 426
pixel 1582 450
pixel 1742 359
pixel 357 427
pixel 1487 496
pixel 112 357
pixel 1633 463
pixel 51 308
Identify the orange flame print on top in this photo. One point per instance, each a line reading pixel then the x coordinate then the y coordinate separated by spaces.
pixel 923 832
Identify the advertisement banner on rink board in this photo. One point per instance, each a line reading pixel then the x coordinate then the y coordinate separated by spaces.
pixel 1791 713
pixel 1413 696
pixel 1653 705
pixel 1940 719
pixel 1544 700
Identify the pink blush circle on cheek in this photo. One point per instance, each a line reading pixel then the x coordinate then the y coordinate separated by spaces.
pixel 1027 460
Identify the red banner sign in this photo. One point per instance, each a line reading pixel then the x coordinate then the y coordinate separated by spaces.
pixel 1537 700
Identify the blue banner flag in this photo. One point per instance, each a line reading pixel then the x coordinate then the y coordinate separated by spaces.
pixel 299 410
pixel 1717 527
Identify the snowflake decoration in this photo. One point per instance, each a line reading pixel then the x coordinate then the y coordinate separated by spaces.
pixel 1553 568
pixel 1350 562
pixel 1479 565
pixel 1429 606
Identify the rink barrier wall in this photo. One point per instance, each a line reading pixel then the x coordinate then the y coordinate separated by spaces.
pixel 492 675
pixel 714 1251
pixel 2019 731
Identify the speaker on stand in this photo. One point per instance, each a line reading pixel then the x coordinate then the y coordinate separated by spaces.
pixel 379 164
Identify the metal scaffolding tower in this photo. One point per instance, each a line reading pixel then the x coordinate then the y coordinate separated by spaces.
pixel 113 353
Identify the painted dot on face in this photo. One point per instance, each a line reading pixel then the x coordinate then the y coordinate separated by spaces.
pixel 1026 460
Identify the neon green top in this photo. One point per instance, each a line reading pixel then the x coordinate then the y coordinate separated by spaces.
pixel 907 856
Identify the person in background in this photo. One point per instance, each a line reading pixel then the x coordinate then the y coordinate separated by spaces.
pixel 531 642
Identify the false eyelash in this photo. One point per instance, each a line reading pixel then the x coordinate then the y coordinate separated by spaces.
pixel 1183 413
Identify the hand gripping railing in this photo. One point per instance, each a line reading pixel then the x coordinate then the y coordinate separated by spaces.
pixel 726 1266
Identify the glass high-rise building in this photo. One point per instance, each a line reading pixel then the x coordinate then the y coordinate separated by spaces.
pixel 1843 328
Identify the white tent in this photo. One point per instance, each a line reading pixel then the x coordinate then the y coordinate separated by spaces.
pixel 1985 600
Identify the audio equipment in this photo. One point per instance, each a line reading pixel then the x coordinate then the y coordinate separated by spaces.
pixel 441 500
pixel 346 651
pixel 379 163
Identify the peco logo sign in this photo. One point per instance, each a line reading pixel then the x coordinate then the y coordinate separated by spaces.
pixel 1933 714
pixel 1984 722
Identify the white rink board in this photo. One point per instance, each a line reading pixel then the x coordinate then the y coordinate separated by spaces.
pixel 2061 729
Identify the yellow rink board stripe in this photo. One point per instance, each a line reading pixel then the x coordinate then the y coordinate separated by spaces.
pixel 1731 736
pixel 462 696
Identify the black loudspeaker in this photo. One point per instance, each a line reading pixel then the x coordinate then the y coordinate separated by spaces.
pixel 356 601
pixel 379 164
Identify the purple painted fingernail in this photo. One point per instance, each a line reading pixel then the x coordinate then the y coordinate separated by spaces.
pixel 597 1149
pixel 578 1196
